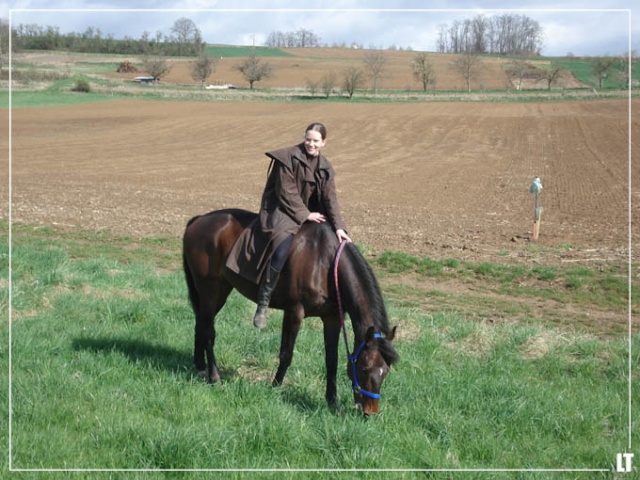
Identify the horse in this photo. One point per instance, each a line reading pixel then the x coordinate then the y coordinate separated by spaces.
pixel 306 288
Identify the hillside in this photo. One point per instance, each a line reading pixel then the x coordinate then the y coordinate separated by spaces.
pixel 301 65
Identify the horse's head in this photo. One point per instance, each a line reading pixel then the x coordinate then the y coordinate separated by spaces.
pixel 368 367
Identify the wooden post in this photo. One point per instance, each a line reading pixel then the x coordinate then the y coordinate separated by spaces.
pixel 535 188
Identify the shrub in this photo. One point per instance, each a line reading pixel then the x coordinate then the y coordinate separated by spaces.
pixel 82 85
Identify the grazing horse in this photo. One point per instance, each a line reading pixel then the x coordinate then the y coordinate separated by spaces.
pixel 306 288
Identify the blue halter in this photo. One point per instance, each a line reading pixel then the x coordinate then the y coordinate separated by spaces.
pixel 353 359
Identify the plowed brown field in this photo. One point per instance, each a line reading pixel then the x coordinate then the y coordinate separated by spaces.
pixel 313 64
pixel 438 179
pixel 305 65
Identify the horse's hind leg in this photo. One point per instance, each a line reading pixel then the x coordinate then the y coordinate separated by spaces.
pixel 205 334
pixel 205 331
pixel 290 327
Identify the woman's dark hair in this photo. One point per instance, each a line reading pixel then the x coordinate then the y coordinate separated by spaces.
pixel 318 127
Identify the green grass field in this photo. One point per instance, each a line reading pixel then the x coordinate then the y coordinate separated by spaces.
pixel 101 378
pixel 582 68
pixel 231 51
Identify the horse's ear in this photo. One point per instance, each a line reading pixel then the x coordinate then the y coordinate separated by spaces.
pixel 370 333
pixel 392 334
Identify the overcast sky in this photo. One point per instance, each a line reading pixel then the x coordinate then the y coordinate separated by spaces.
pixel 597 27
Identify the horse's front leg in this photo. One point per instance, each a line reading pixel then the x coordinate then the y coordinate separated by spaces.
pixel 331 339
pixel 290 328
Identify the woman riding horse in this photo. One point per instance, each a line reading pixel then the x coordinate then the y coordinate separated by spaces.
pixel 321 278
pixel 300 188
pixel 288 256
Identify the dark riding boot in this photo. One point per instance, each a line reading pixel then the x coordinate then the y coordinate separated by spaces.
pixel 267 285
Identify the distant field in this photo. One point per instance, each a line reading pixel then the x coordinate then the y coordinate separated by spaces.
pixel 300 66
pixel 217 51
pixel 295 68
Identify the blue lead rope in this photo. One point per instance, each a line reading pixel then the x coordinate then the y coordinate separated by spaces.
pixel 355 386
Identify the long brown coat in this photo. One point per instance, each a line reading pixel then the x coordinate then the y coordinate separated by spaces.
pixel 296 186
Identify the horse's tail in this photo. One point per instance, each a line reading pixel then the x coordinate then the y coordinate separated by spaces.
pixel 194 297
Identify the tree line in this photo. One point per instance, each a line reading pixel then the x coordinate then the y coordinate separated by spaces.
pixel 184 39
pixel 301 38
pixel 506 34
pixel 304 38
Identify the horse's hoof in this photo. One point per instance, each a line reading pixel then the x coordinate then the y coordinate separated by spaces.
pixel 336 408
pixel 215 378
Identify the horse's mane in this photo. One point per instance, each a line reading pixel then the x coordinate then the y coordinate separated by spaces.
pixel 369 287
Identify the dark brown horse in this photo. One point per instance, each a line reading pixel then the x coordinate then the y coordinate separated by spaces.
pixel 306 289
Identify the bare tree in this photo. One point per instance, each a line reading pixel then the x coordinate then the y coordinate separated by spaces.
pixel 468 66
pixel 479 34
pixel 551 75
pixel 519 70
pixel 313 85
pixel 203 67
pixel 375 62
pixel 442 43
pixel 306 38
pixel 187 35
pixel 455 41
pixel 254 69
pixel 353 78
pixel 328 83
pixel 156 67
pixel 601 68
pixel 423 70
pixel 274 39
pixel 623 67
pixel 302 38
pixel 505 34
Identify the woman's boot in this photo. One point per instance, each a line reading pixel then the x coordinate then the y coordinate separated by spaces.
pixel 267 285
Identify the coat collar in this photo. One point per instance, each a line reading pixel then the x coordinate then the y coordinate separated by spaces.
pixel 300 154
pixel 286 155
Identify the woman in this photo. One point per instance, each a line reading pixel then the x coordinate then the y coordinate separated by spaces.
pixel 300 188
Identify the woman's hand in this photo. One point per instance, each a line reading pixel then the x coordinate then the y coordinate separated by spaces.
pixel 342 235
pixel 316 217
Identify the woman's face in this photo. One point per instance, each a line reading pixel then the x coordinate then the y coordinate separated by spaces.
pixel 313 142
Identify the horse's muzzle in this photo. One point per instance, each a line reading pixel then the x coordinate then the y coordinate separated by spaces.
pixel 368 406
